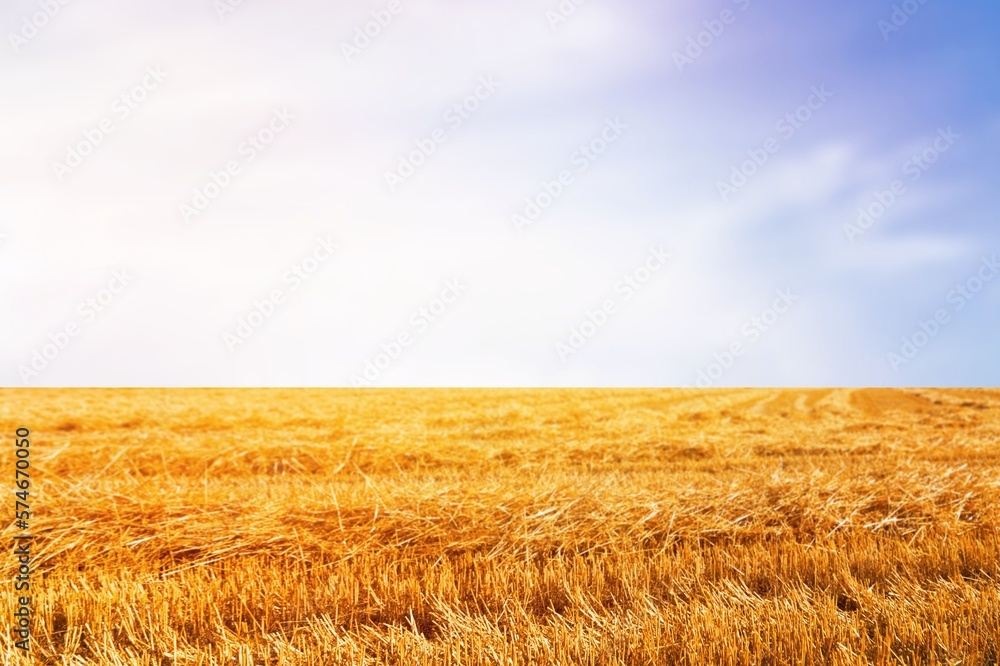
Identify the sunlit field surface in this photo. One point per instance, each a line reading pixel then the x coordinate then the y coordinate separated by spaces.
pixel 509 527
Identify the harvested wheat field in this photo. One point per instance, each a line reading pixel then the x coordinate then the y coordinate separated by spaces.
pixel 471 527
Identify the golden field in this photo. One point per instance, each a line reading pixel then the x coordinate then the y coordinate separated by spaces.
pixel 470 527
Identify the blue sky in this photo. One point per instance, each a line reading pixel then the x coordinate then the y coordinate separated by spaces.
pixel 540 302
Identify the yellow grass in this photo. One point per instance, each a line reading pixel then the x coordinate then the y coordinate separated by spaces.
pixel 510 527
